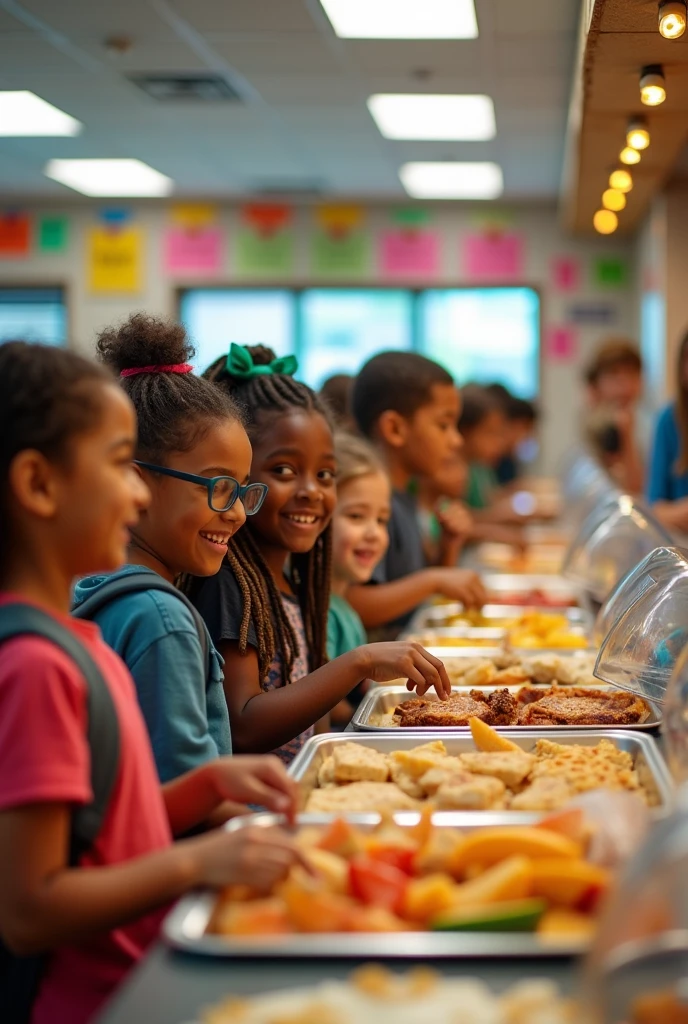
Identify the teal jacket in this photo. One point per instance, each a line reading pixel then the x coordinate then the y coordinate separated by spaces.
pixel 181 697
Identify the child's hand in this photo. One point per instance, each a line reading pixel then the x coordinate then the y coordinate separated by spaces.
pixel 253 856
pixel 259 780
pixel 462 585
pixel 454 518
pixel 410 661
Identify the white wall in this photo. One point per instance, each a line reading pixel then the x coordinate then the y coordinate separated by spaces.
pixel 543 242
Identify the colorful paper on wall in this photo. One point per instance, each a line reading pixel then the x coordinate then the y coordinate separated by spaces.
pixel 193 251
pixel 611 272
pixel 592 314
pixel 265 244
pixel 409 252
pixel 115 259
pixel 493 257
pixel 340 245
pixel 193 215
pixel 561 344
pixel 15 235
pixel 115 216
pixel 53 234
pixel 565 273
pixel 411 217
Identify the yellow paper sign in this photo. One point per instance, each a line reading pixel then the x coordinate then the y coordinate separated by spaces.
pixel 194 216
pixel 338 219
pixel 114 259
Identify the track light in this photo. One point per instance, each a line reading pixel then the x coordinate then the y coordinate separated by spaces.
pixel 637 134
pixel 621 180
pixel 652 85
pixel 605 222
pixel 614 200
pixel 628 155
pixel 672 18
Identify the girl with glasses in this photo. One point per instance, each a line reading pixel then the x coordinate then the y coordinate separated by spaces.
pixel 194 456
pixel 267 607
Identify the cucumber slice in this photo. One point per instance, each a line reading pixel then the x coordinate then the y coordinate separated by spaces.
pixel 514 916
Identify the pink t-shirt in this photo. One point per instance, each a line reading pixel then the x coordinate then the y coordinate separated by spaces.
pixel 44 756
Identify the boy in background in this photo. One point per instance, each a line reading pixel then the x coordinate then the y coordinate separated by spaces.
pixel 408 407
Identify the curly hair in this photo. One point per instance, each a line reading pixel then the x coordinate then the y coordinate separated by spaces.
pixel 265 399
pixel 48 396
pixel 174 410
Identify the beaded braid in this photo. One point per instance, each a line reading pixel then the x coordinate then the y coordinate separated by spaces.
pixel 262 398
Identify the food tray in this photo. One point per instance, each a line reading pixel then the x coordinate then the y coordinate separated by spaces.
pixel 484 636
pixel 525 582
pixel 381 700
pixel 185 926
pixel 646 755
pixel 434 616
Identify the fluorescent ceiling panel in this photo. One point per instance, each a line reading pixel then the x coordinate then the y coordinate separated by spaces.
pixel 402 19
pixel 116 178
pixel 22 113
pixel 448 180
pixel 414 116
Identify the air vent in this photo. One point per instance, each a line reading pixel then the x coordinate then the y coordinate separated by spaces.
pixel 193 88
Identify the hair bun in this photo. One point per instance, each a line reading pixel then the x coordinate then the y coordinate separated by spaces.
pixel 144 340
pixel 261 354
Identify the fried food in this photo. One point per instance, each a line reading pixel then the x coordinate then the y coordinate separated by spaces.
pixel 470 793
pixel 511 767
pixel 360 796
pixel 502 704
pixel 352 762
pixel 456 711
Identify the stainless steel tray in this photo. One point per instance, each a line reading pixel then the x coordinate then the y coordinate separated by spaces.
pixel 516 583
pixel 483 636
pixel 647 759
pixel 382 700
pixel 185 926
pixel 434 616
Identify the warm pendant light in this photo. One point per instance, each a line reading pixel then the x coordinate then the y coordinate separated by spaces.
pixel 614 200
pixel 637 134
pixel 672 18
pixel 652 85
pixel 628 155
pixel 605 222
pixel 621 180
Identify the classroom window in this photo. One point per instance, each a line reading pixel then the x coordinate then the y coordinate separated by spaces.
pixel 217 317
pixel 33 314
pixel 479 334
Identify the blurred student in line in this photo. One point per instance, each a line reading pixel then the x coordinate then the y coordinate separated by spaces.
pixel 667 486
pixel 408 406
pixel 520 440
pixel 336 393
pixel 614 381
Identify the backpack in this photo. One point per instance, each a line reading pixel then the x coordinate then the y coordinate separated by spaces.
pixel 20 976
pixel 137 582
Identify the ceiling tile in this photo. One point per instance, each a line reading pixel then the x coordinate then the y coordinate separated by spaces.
pixel 246 15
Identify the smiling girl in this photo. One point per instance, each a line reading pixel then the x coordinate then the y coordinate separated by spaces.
pixel 195 457
pixel 267 607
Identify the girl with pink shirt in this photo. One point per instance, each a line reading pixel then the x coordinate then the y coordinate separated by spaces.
pixel 68 500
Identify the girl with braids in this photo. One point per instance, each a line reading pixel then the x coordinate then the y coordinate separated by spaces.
pixel 267 607
pixel 195 457
pixel 68 501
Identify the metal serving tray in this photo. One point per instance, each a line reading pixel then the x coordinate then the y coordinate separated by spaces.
pixel 522 583
pixel 434 616
pixel 185 927
pixel 647 759
pixel 382 700
pixel 483 636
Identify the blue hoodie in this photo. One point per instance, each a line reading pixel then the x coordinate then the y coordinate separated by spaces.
pixel 154 634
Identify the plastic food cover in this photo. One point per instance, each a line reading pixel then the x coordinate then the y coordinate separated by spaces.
pixel 641 649
pixel 637 969
pixel 676 719
pixel 660 567
pixel 616 535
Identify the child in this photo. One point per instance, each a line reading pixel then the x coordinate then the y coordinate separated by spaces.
pixel 267 607
pixel 69 499
pixel 520 441
pixel 359 542
pixel 409 407
pixel 185 426
pixel 445 522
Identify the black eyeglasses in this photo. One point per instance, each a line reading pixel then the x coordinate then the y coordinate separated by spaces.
pixel 223 491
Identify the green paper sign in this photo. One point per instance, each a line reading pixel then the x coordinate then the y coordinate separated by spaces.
pixel 411 217
pixel 264 254
pixel 611 272
pixel 52 234
pixel 340 254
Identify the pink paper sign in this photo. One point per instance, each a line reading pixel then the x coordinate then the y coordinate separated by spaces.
pixel 409 252
pixel 196 251
pixel 561 344
pixel 565 273
pixel 493 257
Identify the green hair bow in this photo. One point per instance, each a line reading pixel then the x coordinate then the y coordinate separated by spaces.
pixel 240 365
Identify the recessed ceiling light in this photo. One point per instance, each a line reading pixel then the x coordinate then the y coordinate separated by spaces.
pixel 23 113
pixel 449 180
pixel 110 177
pixel 402 19
pixel 413 116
